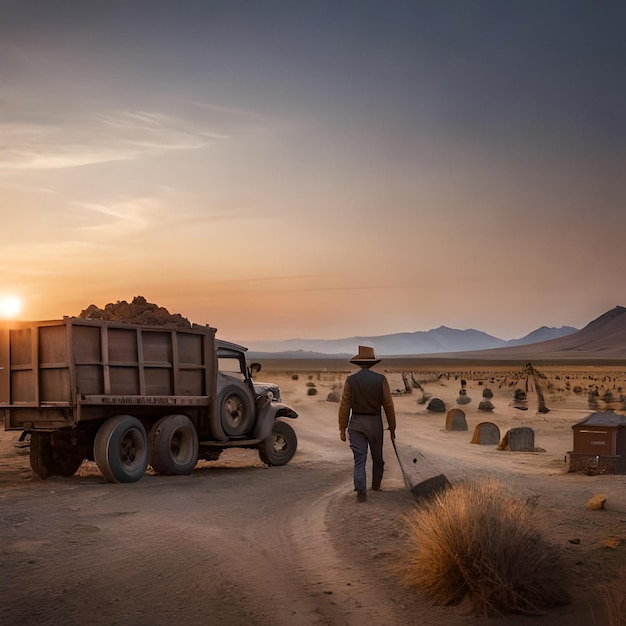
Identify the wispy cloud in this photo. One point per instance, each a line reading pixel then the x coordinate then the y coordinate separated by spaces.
pixel 148 212
pixel 125 216
pixel 98 138
pixel 15 186
pixel 127 211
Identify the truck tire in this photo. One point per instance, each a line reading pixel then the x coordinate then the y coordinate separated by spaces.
pixel 173 445
pixel 121 449
pixel 280 446
pixel 46 461
pixel 236 409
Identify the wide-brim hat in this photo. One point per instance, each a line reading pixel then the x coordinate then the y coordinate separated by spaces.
pixel 365 356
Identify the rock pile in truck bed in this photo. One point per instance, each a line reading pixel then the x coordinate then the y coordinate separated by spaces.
pixel 139 311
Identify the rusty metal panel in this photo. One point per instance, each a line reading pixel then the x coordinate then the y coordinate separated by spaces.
pixel 21 346
pixel 596 440
pixel 122 344
pixel 157 346
pixel 620 442
pixel 189 368
pixel 190 383
pixel 189 348
pixel 53 344
pixel 158 381
pixel 60 363
pixel 54 385
pixel 40 418
pixel 124 381
pixel 211 423
pixel 22 386
pixel 86 344
pixel 89 379
pixel 146 401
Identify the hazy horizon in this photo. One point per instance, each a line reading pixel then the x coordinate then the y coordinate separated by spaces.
pixel 409 332
pixel 316 169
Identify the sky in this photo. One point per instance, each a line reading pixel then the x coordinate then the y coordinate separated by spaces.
pixel 313 168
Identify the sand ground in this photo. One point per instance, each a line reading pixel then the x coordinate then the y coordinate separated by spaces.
pixel 239 543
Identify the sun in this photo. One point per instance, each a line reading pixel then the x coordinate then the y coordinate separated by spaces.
pixel 10 306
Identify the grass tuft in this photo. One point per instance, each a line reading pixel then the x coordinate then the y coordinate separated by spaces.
pixel 475 540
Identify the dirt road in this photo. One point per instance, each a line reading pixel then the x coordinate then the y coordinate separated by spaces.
pixel 234 543
pixel 239 543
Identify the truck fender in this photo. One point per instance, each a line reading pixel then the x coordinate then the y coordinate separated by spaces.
pixel 267 417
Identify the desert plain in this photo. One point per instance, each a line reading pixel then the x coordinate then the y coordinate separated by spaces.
pixel 237 542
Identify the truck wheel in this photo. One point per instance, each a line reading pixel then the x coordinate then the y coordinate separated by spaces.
pixel 173 445
pixel 280 446
pixel 46 461
pixel 236 410
pixel 41 455
pixel 121 449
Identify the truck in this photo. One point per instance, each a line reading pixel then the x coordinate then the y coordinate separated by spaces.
pixel 129 396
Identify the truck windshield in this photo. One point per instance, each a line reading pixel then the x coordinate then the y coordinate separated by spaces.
pixel 231 365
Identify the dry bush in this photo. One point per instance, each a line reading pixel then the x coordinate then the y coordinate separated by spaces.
pixel 476 540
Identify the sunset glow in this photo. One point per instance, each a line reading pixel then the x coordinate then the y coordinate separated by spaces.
pixel 10 307
pixel 314 169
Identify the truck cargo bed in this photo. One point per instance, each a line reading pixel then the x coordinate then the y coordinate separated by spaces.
pixel 56 373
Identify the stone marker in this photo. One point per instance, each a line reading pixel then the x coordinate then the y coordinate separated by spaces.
pixel 486 434
pixel 455 420
pixel 436 405
pixel 421 477
pixel 521 439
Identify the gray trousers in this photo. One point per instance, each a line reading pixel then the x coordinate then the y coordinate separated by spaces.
pixel 366 431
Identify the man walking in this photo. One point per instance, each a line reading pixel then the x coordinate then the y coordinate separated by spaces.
pixel 364 394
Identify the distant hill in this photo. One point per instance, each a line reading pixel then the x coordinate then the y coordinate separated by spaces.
pixel 435 341
pixel 544 333
pixel 296 354
pixel 602 338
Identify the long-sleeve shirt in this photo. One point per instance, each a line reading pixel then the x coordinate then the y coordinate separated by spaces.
pixel 365 393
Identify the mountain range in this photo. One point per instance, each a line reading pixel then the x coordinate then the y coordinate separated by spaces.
pixel 435 341
pixel 602 338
